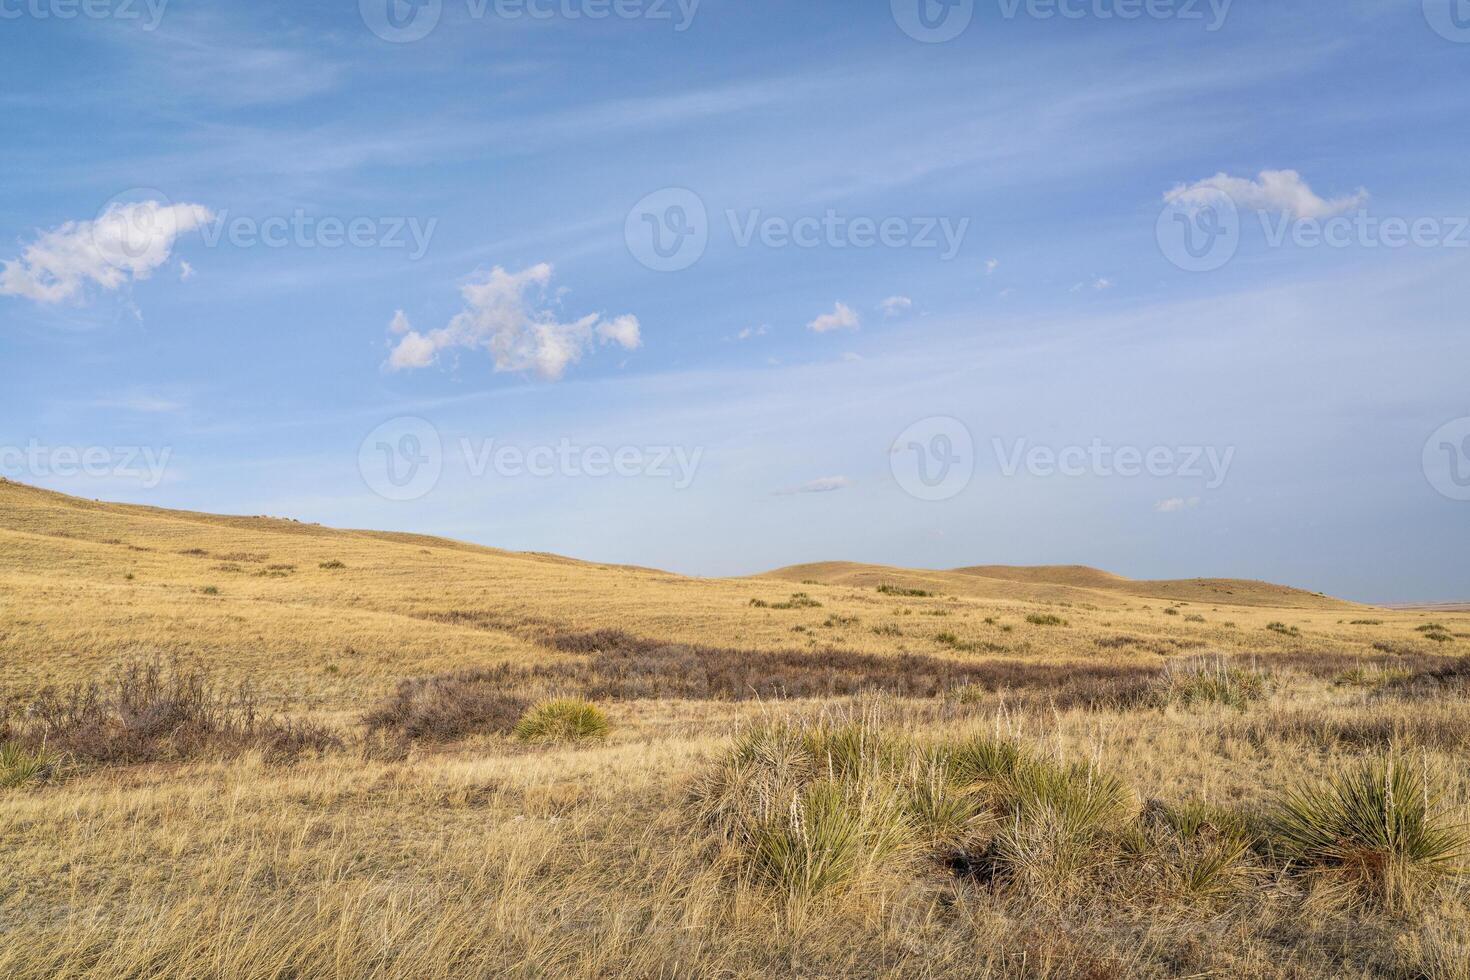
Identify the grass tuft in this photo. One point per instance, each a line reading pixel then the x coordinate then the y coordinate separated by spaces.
pixel 562 720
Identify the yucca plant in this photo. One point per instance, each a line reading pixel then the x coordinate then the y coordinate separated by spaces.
pixel 20 765
pixel 1377 830
pixel 562 720
pixel 833 836
pixel 1207 849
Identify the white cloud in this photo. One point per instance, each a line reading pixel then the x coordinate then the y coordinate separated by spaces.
pixel 1097 282
pixel 894 305
pixel 748 332
pixel 1274 190
pixel 127 242
pixel 991 265
pixel 841 318
pixel 825 484
pixel 1175 504
pixel 506 313
pixel 186 271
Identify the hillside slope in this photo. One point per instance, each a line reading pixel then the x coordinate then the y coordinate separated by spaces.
pixel 1062 583
pixel 346 614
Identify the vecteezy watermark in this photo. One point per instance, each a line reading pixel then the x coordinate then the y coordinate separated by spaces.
pixel 1101 459
pixel 1447 459
pixel 933 21
pixel 669 230
pixel 1450 19
pixel 1204 233
pixel 402 21
pixel 404 458
pixel 836 230
pixel 305 231
pixel 937 21
pixel 145 464
pixel 679 464
pixel 137 229
pixel 150 12
pixel 1201 234
pixel 933 459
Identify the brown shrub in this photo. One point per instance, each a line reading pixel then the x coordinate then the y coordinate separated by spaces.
pixel 148 711
pixel 451 706
pixel 622 666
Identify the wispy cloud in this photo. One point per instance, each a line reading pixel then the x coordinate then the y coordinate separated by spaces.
pixel 824 484
pixel 894 305
pixel 1174 505
pixel 1283 191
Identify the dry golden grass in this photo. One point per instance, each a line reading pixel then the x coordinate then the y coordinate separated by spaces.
pixel 477 855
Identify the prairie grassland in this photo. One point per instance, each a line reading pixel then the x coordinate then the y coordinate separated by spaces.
pixel 312 769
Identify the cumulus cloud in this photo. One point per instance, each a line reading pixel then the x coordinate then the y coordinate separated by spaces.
pixel 1174 505
pixel 841 318
pixel 186 271
pixel 894 305
pixel 824 484
pixel 1273 190
pixel 991 265
pixel 508 315
pixel 127 242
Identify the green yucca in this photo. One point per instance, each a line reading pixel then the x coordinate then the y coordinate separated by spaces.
pixel 1208 849
pixel 943 813
pixel 1377 828
pixel 832 835
pixel 562 720
pixel 20 765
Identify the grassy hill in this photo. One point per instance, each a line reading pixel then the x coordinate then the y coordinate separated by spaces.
pixel 251 747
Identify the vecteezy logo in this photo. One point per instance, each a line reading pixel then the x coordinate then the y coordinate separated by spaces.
pixel 401 459
pixel 132 224
pixel 400 21
pixel 933 459
pixel 1447 460
pixel 1200 233
pixel 933 21
pixel 668 230
pixel 1449 18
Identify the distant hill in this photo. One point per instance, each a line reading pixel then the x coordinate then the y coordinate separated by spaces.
pixel 1060 583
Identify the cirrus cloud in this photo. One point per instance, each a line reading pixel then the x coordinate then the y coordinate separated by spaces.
pixel 1274 190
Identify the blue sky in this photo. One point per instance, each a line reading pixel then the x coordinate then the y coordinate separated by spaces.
pixel 260 259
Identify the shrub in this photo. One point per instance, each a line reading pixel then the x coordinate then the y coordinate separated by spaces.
pixel 332 565
pixel 1366 622
pixel 1283 629
pixel 562 720
pixel 1045 619
pixel 1376 831
pixel 448 707
pixel 148 711
pixel 20 765
pixel 798 600
pixel 886 589
pixel 210 590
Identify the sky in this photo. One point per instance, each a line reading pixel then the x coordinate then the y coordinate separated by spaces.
pixel 1173 288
